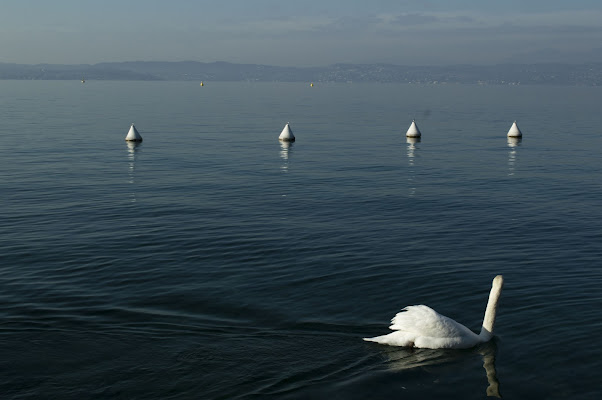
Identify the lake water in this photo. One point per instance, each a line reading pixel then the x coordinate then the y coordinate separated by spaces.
pixel 212 261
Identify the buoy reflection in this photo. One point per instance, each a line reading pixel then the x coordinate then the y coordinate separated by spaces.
pixel 513 143
pixel 133 148
pixel 285 152
pixel 411 151
pixel 412 148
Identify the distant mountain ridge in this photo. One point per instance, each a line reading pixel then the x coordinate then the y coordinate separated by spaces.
pixel 550 74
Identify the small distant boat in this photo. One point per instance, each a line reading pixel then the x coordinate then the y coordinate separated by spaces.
pixel 83 80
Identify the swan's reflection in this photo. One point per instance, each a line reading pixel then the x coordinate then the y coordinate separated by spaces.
pixel 513 143
pixel 411 141
pixel 133 148
pixel 286 148
pixel 402 358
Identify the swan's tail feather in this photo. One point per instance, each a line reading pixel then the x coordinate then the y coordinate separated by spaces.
pixel 393 339
pixel 376 339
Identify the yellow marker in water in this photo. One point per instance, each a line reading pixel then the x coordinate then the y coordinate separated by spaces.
pixel 202 84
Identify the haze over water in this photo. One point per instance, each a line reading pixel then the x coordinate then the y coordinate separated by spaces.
pixel 211 261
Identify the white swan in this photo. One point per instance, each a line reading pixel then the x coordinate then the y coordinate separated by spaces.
pixel 421 326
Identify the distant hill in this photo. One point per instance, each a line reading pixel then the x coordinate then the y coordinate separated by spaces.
pixel 513 74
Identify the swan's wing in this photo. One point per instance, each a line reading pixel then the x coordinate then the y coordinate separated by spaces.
pixel 424 321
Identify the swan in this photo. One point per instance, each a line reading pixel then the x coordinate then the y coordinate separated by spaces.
pixel 421 326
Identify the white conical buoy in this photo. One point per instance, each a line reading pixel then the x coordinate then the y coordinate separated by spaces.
pixel 133 135
pixel 514 131
pixel 413 130
pixel 287 134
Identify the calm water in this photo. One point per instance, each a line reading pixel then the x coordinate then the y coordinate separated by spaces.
pixel 213 262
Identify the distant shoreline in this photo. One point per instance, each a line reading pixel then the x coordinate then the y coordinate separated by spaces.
pixel 502 74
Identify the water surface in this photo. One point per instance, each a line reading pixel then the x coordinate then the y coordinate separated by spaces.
pixel 211 261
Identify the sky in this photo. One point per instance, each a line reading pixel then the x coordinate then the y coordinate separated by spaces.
pixel 301 32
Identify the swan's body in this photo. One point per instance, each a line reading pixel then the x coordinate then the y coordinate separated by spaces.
pixel 421 326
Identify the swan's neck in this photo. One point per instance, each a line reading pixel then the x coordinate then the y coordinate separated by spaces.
pixel 489 319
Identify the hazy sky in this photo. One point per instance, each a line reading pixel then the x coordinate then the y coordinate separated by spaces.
pixel 301 32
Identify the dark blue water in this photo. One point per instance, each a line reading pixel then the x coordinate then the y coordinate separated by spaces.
pixel 213 262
